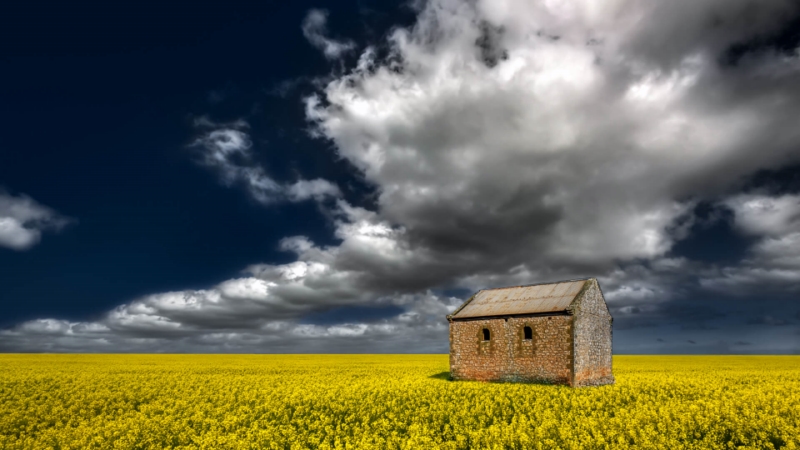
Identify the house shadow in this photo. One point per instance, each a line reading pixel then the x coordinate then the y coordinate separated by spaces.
pixel 445 376
pixel 441 376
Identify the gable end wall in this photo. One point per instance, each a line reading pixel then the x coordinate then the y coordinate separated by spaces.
pixel 592 338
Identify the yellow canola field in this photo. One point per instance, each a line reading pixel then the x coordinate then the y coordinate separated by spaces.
pixel 389 402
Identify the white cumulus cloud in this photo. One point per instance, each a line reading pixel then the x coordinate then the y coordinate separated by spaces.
pixel 22 221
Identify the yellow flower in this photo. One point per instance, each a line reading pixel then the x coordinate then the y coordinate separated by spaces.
pixel 389 402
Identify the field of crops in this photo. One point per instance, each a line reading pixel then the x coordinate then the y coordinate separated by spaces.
pixel 389 401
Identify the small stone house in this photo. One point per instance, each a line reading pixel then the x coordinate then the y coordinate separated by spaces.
pixel 549 333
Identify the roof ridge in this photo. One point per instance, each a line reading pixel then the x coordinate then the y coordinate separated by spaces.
pixel 538 284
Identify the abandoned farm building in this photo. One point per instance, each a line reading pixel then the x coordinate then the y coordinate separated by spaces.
pixel 554 333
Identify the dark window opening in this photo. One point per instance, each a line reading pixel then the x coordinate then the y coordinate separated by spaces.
pixel 528 333
pixel 486 335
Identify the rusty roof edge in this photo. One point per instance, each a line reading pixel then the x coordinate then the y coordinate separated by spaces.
pixel 584 288
pixel 537 284
pixel 457 310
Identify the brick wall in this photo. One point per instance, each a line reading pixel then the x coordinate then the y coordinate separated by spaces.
pixel 507 356
pixel 592 338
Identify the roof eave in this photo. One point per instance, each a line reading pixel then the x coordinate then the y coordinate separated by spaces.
pixel 564 312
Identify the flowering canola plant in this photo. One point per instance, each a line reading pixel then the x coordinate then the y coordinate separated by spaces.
pixel 389 402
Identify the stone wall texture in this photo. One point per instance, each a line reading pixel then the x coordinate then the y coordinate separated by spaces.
pixel 507 356
pixel 592 339
pixel 571 348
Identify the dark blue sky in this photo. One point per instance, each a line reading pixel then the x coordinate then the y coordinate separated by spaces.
pixel 96 109
pixel 107 111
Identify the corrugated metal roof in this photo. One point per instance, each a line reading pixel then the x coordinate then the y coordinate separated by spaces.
pixel 538 298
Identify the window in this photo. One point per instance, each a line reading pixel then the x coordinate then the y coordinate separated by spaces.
pixel 528 333
pixel 486 335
